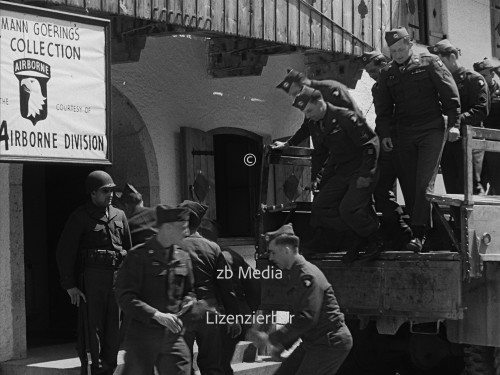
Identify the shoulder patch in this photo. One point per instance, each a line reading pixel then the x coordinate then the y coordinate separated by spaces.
pixel 353 118
pixel 335 92
pixel 307 280
pixel 481 83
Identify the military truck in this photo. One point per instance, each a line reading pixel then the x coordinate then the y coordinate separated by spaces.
pixel 426 313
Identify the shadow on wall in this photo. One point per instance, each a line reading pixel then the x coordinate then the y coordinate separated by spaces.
pixel 134 158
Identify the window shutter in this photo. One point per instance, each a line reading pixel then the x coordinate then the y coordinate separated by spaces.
pixel 197 170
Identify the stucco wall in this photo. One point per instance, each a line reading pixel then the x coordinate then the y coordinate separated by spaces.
pixel 468 26
pixel 170 87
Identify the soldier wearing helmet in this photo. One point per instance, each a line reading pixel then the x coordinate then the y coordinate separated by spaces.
pixel 92 245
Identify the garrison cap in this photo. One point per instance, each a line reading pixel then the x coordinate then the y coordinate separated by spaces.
pixel 442 47
pixel 285 230
pixel 98 179
pixel 368 57
pixel 305 96
pixel 485 64
pixel 291 77
pixel 196 211
pixel 167 214
pixel 129 195
pixel 392 36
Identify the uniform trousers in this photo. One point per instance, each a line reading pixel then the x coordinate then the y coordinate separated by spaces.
pixel 385 199
pixel 452 166
pixel 103 319
pixel 419 154
pixel 492 172
pixel 320 358
pixel 154 348
pixel 342 206
pixel 228 347
pixel 208 339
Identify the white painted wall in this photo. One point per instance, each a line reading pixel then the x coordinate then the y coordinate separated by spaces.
pixel 468 26
pixel 170 87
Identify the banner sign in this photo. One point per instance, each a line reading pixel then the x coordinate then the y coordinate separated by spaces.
pixel 54 86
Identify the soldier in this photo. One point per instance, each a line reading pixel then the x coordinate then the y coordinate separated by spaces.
pixel 474 109
pixel 141 220
pixel 395 230
pixel 217 292
pixel 334 93
pixel 316 319
pixel 154 287
pixel 247 291
pixel 344 202
pixel 491 166
pixel 414 91
pixel 92 245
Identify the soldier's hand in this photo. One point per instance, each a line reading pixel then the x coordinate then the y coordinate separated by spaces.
pixel 276 352
pixel 387 145
pixel 75 294
pixel 453 134
pixel 172 322
pixel 260 339
pixel 278 145
pixel 234 330
pixel 363 182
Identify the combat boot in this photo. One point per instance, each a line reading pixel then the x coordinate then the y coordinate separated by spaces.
pixel 352 245
pixel 373 247
pixel 417 242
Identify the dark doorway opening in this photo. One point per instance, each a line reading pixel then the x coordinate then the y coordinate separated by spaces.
pixel 50 194
pixel 237 185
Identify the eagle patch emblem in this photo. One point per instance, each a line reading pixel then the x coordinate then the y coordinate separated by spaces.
pixel 33 76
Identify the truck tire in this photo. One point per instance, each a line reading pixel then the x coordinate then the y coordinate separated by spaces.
pixel 481 360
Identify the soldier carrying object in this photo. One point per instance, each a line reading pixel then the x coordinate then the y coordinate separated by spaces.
pixel 491 165
pixel 141 220
pixel 218 293
pixel 344 202
pixel 154 287
pixel 474 109
pixel 317 320
pixel 92 245
pixel 334 93
pixel 394 229
pixel 414 91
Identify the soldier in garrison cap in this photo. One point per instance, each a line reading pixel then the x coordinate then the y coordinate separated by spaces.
pixel 414 92
pixel 395 231
pixel 491 165
pixel 141 220
pixel 344 202
pixel 474 95
pixel 334 93
pixel 92 245
pixel 317 319
pixel 154 288
pixel 218 293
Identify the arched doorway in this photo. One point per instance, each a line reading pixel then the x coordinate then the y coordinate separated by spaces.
pixel 50 193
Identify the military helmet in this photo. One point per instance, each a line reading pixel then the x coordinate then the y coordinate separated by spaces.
pixel 98 179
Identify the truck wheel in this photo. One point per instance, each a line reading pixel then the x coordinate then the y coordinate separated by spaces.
pixel 481 360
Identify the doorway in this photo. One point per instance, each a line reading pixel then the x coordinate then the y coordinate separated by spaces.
pixel 237 184
pixel 50 194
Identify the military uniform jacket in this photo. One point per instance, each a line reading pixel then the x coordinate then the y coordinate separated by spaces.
pixel 314 307
pixel 352 144
pixel 493 120
pixel 207 260
pixel 416 95
pixel 89 228
pixel 333 92
pixel 474 96
pixel 142 225
pixel 153 278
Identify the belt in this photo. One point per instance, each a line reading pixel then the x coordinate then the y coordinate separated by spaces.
pixel 102 258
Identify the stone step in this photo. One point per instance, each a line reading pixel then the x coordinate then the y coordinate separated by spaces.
pixel 61 360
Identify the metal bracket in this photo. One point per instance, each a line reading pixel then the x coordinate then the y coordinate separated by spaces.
pixel 435 331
